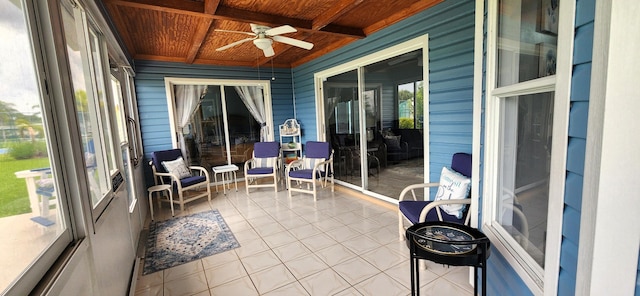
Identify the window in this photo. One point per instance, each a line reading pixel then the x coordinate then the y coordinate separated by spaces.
pixel 87 58
pixel 410 105
pixel 35 226
pixel 522 116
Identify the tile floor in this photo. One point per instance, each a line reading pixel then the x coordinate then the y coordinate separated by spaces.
pixel 343 244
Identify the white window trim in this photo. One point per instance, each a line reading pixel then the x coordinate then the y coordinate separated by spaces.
pixel 546 283
pixel 610 181
pixel 171 82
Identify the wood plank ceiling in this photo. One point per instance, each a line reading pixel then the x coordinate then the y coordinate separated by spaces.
pixel 185 30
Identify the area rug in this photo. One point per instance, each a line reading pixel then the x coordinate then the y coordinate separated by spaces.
pixel 183 239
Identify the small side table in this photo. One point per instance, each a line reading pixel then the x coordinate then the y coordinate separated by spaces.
pixel 225 170
pixel 160 189
pixel 447 243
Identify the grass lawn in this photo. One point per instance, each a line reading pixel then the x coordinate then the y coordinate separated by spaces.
pixel 14 198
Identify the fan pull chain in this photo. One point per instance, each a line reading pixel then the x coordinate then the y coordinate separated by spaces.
pixel 258 63
pixel 273 77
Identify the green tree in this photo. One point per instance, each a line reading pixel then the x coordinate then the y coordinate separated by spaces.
pixel 7 115
pixel 419 105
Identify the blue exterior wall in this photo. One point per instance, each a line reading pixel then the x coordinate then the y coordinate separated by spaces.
pixel 152 99
pixel 450 26
pixel 578 116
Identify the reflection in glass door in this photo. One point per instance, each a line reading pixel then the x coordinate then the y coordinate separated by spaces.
pixel 341 107
pixel 374 121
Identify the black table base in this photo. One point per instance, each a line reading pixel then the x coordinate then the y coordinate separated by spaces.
pixel 447 243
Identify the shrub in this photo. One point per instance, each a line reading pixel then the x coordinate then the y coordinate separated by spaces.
pixel 406 122
pixel 26 150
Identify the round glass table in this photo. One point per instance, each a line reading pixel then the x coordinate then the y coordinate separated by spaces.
pixel 447 243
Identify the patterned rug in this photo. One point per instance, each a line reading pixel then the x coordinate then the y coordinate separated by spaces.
pixel 183 239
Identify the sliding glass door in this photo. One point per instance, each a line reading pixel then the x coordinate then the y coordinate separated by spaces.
pixel 226 118
pixel 374 119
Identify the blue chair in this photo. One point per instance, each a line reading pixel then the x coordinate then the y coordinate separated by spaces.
pixel 444 208
pixel 315 165
pixel 265 163
pixel 168 168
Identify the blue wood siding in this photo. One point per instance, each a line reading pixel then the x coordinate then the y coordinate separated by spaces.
pixel 152 99
pixel 450 26
pixel 578 117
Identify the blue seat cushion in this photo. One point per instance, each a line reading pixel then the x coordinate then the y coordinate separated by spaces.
pixel 192 180
pixel 301 174
pixel 411 209
pixel 260 171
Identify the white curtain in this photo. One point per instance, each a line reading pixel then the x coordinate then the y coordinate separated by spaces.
pixel 253 100
pixel 187 100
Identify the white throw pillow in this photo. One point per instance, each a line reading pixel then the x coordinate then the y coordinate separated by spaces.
pixel 177 167
pixel 453 186
pixel 266 162
pixel 310 163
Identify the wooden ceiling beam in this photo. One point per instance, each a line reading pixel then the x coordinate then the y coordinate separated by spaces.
pixel 198 38
pixel 210 6
pixel 336 11
pixel 239 15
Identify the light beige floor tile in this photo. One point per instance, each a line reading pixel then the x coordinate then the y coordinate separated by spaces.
pixel 348 292
pixel 183 270
pixel 268 229
pixel 326 282
pixel 291 251
pixel 335 254
pixel 249 248
pixel 219 259
pixel 306 265
pixel 356 270
pixel 328 224
pixel 188 285
pixel 318 242
pixel 402 274
pixel 384 235
pixel 459 275
pixel 443 287
pixel 382 285
pixel 225 273
pixel 149 280
pixel 279 239
pixel 156 290
pixel 383 258
pixel 272 278
pixel 242 286
pixel 288 290
pixel 260 261
pixel 305 231
pixel 342 234
pixel 361 244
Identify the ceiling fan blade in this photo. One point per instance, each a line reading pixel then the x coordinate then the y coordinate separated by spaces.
pixel 234 44
pixel 268 52
pixel 239 32
pixel 280 30
pixel 294 42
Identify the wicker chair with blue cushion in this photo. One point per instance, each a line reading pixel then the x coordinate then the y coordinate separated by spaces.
pixel 316 165
pixel 264 164
pixel 169 167
pixel 451 201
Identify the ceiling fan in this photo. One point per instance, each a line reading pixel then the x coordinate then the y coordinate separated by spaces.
pixel 264 36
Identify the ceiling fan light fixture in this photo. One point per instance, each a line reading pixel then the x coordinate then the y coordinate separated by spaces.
pixel 262 43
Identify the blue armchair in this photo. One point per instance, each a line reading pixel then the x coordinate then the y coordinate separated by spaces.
pixel 316 165
pixel 168 168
